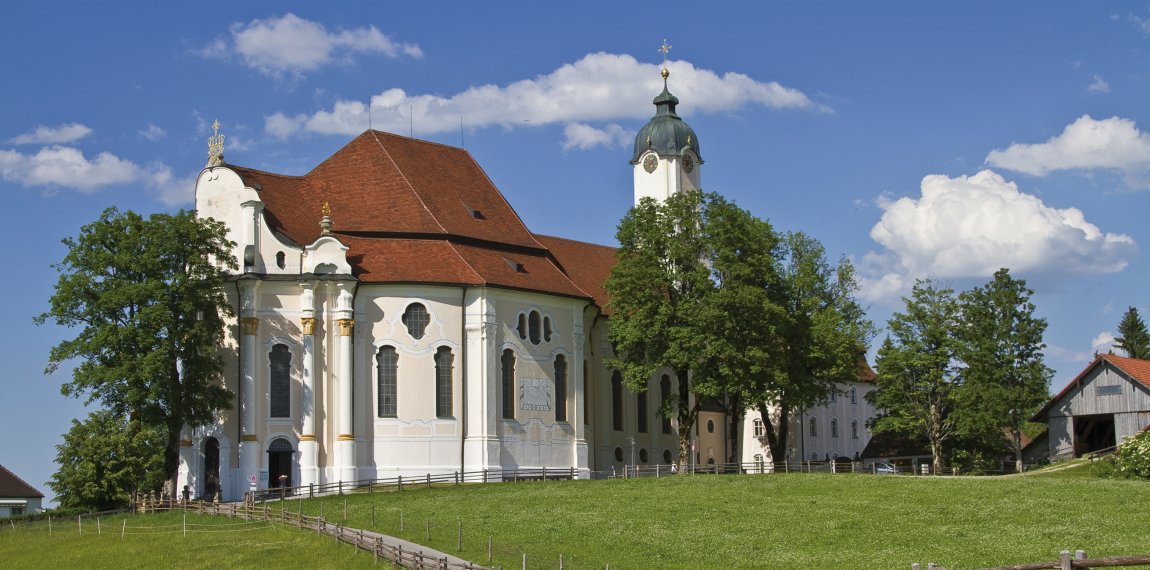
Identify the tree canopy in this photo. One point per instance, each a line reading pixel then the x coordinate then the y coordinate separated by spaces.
pixel 918 375
pixel 106 458
pixel 147 299
pixel 1004 377
pixel 1134 339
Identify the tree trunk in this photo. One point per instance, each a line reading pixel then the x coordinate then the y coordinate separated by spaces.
pixel 1016 441
pixel 686 418
pixel 735 413
pixel 776 437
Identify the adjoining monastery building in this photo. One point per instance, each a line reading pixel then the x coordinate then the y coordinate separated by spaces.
pixel 396 317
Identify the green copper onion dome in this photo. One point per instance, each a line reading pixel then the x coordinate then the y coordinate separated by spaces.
pixel 666 133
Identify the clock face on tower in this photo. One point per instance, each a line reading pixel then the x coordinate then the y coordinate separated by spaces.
pixel 650 163
pixel 688 163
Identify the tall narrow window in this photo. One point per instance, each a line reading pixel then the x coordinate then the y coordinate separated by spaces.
pixel 641 405
pixel 834 427
pixel 617 400
pixel 508 383
pixel 560 388
pixel 854 400
pixel 854 429
pixel 416 319
pixel 547 329
pixel 387 381
pixel 533 327
pixel 814 428
pixel 664 398
pixel 443 360
pixel 758 427
pixel 522 328
pixel 280 387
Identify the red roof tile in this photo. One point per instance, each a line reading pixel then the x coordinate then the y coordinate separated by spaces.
pixel 414 211
pixel 13 486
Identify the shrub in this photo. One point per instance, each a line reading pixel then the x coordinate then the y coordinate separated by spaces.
pixel 1133 458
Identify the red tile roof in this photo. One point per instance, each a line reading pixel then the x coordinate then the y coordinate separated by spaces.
pixel 1138 370
pixel 13 486
pixel 415 211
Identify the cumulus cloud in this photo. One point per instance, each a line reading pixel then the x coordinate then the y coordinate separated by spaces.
pixel 1099 85
pixel 599 87
pixel 583 136
pixel 1086 144
pixel 67 167
pixel 970 226
pixel 293 45
pixel 153 133
pixel 52 135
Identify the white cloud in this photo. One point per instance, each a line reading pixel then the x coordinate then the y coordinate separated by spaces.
pixel 970 226
pixel 598 87
pixel 153 133
pixel 67 167
pixel 53 135
pixel 583 136
pixel 172 191
pixel 1099 85
pixel 1085 144
pixel 1143 24
pixel 290 44
pixel 1103 342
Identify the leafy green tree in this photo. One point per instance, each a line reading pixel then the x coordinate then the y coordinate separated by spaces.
pixel 1004 377
pixel 674 260
pixel 918 380
pixel 147 297
pixel 104 460
pixel 1135 339
pixel 816 334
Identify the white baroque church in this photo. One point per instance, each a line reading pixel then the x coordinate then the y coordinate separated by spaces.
pixel 396 317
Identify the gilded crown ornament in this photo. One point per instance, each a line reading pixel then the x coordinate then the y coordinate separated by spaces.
pixel 216 145
pixel 325 221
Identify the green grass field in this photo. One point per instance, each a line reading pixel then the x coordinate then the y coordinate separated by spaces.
pixel 773 521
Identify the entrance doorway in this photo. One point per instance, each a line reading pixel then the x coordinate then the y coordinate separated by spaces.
pixel 1093 433
pixel 279 463
pixel 211 467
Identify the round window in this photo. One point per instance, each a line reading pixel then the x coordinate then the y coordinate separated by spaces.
pixel 710 426
pixel 667 456
pixel 643 455
pixel 618 454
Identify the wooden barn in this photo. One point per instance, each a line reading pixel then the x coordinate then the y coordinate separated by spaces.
pixel 1106 402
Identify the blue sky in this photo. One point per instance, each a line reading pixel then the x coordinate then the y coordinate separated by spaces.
pixel 920 139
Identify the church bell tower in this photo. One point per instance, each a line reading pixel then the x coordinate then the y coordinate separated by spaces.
pixel 666 158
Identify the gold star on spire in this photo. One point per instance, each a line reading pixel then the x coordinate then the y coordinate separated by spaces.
pixel 666 47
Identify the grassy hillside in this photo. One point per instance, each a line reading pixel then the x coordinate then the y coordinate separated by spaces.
pixel 777 521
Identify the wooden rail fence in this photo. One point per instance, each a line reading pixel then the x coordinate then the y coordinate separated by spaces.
pixel 1065 562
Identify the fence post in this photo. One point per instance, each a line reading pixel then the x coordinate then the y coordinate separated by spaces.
pixel 429 480
pixel 1064 560
pixel 400 520
pixel 399 486
pixel 485 475
pixel 459 537
pixel 489 549
pixel 373 517
pixel 456 477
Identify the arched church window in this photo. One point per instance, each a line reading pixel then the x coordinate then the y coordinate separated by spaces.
pixel 560 388
pixel 854 429
pixel 533 326
pixel 443 373
pixel 834 427
pixel 664 397
pixel 814 427
pixel 522 328
pixel 547 329
pixel 710 426
pixel 617 400
pixel 507 381
pixel 387 381
pixel 280 386
pixel 854 400
pixel 281 260
pixel 416 319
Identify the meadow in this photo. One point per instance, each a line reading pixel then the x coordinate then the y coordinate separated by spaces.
pixel 701 521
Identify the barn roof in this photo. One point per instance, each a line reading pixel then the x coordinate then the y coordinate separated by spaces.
pixel 1135 369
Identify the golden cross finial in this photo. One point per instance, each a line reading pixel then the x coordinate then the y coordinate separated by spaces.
pixel 216 145
pixel 325 221
pixel 666 47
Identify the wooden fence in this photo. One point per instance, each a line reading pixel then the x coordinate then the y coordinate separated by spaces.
pixel 379 545
pixel 1066 562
